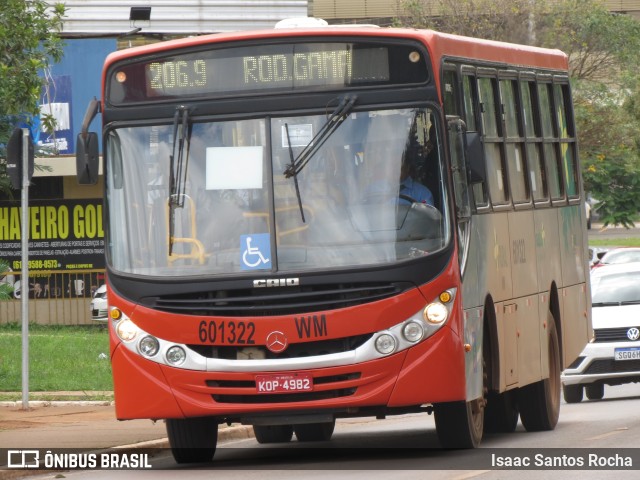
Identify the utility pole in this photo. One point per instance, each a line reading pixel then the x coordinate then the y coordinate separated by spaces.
pixel 20 159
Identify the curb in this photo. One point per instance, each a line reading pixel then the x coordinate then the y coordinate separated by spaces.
pixel 58 403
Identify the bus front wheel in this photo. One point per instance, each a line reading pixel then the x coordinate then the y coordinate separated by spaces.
pixel 460 424
pixel 273 433
pixel 315 432
pixel 539 402
pixel 192 440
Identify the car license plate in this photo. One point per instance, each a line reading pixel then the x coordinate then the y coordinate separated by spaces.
pixel 632 353
pixel 284 383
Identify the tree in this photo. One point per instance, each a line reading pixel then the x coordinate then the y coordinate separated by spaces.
pixel 604 57
pixel 609 152
pixel 492 19
pixel 604 62
pixel 29 43
pixel 602 47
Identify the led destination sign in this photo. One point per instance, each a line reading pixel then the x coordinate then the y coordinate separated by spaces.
pixel 283 67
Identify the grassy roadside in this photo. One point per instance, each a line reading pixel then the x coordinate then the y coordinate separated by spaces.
pixel 614 242
pixel 61 359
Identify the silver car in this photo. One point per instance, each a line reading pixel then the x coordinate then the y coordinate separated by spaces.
pixel 99 307
pixel 613 355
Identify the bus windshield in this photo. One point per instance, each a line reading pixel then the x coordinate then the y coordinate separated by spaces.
pixel 370 193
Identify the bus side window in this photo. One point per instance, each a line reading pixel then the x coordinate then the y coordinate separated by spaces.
pixel 450 92
pixel 551 153
pixel 470 100
pixel 567 139
pixel 533 141
pixel 492 141
pixel 513 141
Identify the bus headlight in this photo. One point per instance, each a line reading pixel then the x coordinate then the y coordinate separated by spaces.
pixel 385 343
pixel 413 331
pixel 176 355
pixel 148 346
pixel 126 330
pixel 436 313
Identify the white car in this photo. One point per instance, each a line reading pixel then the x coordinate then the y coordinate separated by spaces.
pixel 99 307
pixel 613 355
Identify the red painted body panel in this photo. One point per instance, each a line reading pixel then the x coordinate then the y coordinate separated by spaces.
pixel 432 371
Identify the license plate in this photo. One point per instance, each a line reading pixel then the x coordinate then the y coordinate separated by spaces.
pixel 284 383
pixel 632 353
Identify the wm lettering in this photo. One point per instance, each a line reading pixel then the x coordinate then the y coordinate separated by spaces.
pixel 311 326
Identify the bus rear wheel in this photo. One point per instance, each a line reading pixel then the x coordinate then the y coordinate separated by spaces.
pixel 460 424
pixel 539 402
pixel 192 440
pixel 501 414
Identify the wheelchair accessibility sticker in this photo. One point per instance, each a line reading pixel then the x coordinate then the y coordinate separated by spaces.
pixel 256 251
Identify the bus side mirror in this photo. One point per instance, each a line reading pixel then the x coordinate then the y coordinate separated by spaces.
pixel 87 158
pixel 475 157
pixel 459 167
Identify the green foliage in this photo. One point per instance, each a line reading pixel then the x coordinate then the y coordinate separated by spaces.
pixel 601 46
pixel 610 136
pixel 28 40
pixel 6 290
pixel 29 43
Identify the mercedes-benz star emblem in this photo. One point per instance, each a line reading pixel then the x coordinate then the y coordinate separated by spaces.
pixel 276 342
pixel 633 334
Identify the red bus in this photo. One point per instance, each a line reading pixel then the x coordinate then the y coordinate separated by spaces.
pixel 310 224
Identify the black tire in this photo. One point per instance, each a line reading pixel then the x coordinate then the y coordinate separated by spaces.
pixel 572 393
pixel 193 440
pixel 460 424
pixel 539 403
pixel 501 413
pixel 273 433
pixel 315 432
pixel 594 391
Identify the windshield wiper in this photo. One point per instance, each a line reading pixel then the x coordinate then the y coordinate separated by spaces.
pixel 295 175
pixel 178 163
pixel 336 118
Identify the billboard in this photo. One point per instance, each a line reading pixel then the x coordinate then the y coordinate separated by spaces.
pixel 73 82
pixel 64 236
